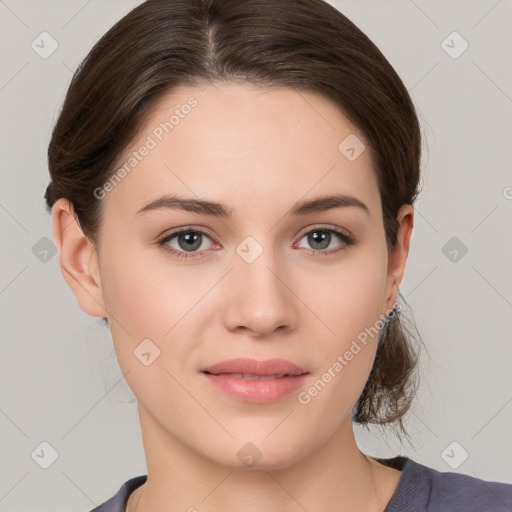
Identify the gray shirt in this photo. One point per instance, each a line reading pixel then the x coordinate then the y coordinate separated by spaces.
pixel 420 489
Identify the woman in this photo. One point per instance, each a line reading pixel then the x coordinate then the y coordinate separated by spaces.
pixel 232 190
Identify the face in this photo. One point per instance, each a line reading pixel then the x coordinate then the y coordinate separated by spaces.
pixel 267 280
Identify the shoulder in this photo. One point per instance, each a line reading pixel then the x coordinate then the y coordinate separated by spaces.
pixel 118 502
pixel 464 492
pixel 430 490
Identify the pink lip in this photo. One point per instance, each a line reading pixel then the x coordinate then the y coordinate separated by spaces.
pixel 223 375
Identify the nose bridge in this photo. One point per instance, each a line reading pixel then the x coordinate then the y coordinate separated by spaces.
pixel 260 299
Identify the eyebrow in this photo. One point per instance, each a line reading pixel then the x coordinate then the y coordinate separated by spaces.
pixel 318 204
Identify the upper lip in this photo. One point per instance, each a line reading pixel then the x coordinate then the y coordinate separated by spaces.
pixel 254 367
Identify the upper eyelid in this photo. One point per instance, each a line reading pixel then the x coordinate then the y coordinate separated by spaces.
pixel 202 230
pixel 166 237
pixel 186 229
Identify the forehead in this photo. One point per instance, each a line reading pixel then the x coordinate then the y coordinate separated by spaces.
pixel 245 146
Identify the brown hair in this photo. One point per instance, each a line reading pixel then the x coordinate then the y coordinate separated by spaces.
pixel 305 45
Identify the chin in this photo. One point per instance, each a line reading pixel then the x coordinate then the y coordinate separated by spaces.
pixel 260 454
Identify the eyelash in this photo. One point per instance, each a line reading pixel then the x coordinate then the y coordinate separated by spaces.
pixel 342 236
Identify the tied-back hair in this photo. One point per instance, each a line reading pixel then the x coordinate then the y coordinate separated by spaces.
pixel 304 45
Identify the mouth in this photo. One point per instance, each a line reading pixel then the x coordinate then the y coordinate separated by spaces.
pixel 250 376
pixel 247 368
pixel 249 380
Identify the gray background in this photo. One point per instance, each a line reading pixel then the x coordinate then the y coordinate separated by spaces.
pixel 60 382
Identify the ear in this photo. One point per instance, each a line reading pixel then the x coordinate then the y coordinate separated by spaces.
pixel 398 255
pixel 78 259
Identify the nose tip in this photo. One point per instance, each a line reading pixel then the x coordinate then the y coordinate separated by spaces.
pixel 260 300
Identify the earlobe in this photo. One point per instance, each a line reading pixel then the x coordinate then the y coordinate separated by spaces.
pixel 78 259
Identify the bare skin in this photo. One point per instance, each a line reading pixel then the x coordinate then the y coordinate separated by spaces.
pixel 258 152
pixel 385 481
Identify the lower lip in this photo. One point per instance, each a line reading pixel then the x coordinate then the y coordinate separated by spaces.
pixel 256 391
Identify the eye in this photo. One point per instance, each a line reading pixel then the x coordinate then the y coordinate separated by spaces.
pixel 187 240
pixel 190 241
pixel 320 238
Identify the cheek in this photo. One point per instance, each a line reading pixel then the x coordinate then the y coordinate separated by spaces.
pixel 349 301
pixel 149 302
pixel 147 294
pixel 350 296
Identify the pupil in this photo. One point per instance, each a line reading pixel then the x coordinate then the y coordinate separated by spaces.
pixel 316 237
pixel 319 237
pixel 191 241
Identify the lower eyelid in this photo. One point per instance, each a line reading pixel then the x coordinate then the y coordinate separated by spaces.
pixel 342 237
pixel 171 236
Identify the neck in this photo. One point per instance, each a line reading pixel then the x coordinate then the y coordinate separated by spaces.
pixel 335 476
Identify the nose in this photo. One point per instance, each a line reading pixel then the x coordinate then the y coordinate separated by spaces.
pixel 259 296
